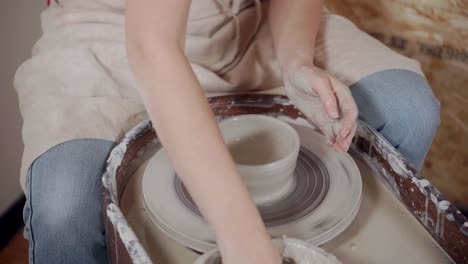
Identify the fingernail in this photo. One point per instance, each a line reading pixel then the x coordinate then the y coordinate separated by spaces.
pixel 344 133
pixel 345 146
pixel 337 148
pixel 333 113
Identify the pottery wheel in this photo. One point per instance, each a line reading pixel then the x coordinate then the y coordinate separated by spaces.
pixel 322 202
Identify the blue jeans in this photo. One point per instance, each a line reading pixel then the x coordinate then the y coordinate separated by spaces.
pixel 401 106
pixel 63 216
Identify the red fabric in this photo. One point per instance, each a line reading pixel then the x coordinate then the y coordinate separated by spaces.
pixel 48 2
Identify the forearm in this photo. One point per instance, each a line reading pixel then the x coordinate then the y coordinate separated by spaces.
pixel 189 133
pixel 294 25
pixel 188 130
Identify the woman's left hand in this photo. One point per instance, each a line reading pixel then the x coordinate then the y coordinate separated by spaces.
pixel 325 101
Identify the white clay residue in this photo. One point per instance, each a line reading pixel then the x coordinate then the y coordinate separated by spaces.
pixel 115 159
pixel 441 207
pixel 282 101
pixel 444 205
pixel 450 217
pixel 113 162
pixel 396 164
pixel 421 183
pixel 394 159
pixel 132 244
pixel 426 212
pixel 132 134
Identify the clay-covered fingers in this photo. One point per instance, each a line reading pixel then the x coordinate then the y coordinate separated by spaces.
pixel 349 114
pixel 342 144
pixel 323 87
pixel 326 102
pixel 314 81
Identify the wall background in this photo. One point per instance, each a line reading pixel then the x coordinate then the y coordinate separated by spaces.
pixel 436 34
pixel 20 28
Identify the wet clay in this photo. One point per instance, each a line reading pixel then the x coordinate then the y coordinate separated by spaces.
pixel 381 218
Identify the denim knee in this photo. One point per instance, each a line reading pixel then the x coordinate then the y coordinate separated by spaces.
pixel 429 114
pixel 401 106
pixel 63 214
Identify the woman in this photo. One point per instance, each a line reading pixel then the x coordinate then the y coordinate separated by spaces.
pixel 178 51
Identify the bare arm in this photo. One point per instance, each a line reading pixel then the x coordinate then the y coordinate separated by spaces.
pixel 188 130
pixel 323 99
pixel 294 25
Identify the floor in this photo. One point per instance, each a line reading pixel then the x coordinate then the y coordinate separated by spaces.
pixel 16 252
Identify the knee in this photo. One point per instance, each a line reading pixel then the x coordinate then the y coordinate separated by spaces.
pixel 63 207
pixel 398 100
pixel 416 110
pixel 428 113
pixel 401 106
pixel 61 215
pixel 65 186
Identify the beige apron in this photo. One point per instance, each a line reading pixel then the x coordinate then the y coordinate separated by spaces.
pixel 78 83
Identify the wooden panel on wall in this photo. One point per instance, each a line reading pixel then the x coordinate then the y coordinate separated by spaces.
pixel 433 21
pixel 435 33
